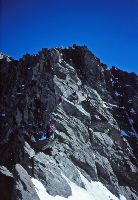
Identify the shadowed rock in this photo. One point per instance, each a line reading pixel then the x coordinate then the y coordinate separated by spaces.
pixel 95 134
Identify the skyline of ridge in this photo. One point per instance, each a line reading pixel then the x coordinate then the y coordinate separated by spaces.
pixel 37 52
pixel 108 28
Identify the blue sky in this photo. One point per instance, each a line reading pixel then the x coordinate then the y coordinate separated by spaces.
pixel 108 27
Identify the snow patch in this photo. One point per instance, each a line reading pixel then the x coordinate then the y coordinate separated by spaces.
pixel 132 127
pixel 108 105
pixel 122 107
pixel 122 197
pixel 130 100
pixel 117 94
pixel 132 111
pixel 130 121
pixel 18 93
pixel 93 191
pixel 23 86
pixel 2 114
pixel 113 83
pixel 81 109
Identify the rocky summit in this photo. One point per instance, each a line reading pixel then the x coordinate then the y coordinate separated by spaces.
pixel 93 151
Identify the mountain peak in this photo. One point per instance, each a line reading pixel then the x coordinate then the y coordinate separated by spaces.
pixel 68 124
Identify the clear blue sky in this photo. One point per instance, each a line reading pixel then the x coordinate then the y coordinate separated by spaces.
pixel 108 27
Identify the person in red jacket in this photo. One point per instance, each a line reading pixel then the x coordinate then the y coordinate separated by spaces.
pixel 60 100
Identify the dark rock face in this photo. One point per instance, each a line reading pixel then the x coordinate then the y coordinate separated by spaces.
pixel 6 183
pixel 96 135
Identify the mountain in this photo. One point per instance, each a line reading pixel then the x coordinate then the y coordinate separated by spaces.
pixel 94 154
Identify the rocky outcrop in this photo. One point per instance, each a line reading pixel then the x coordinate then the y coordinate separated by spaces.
pixel 96 135
pixel 23 186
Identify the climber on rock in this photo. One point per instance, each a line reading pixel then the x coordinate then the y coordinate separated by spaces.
pixel 60 100
pixel 36 135
pixel 50 131
pixel 75 97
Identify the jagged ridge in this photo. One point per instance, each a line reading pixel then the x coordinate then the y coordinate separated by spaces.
pixel 98 136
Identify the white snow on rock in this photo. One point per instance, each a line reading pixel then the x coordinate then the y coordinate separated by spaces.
pixel 109 105
pixel 117 94
pixel 93 191
pixel 130 121
pixel 113 82
pixel 132 127
pixel 18 93
pixel 2 114
pixel 122 197
pixel 130 100
pixel 81 109
pixel 132 111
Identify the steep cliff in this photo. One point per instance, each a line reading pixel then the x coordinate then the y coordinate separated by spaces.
pixel 95 149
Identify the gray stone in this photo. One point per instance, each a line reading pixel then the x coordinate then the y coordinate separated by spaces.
pixel 88 131
pixel 24 188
